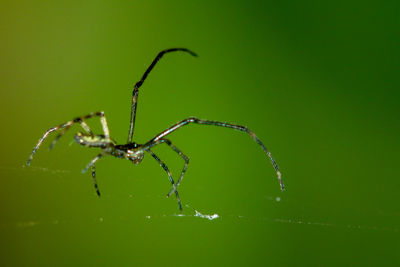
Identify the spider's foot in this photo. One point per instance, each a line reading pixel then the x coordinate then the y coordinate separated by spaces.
pixel 170 192
pixel 281 181
pixel 28 162
pixel 173 190
pixel 283 188
pixel 180 205
pixel 51 146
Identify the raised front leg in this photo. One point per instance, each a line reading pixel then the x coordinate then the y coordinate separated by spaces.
pixel 135 93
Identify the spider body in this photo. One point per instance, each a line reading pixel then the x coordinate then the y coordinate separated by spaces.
pixel 133 151
pixel 130 151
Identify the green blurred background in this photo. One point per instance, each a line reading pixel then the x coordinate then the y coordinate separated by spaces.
pixel 317 81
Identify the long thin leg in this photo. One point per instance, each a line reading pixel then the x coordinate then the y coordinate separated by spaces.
pixel 162 164
pixel 50 130
pixel 64 127
pixel 86 127
pixel 135 93
pixel 222 124
pixel 62 132
pixel 93 167
pixel 94 180
pixel 185 158
pixel 180 153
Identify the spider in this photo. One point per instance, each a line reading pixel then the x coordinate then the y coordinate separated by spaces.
pixel 133 151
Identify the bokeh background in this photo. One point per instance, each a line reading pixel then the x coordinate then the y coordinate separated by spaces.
pixel 318 82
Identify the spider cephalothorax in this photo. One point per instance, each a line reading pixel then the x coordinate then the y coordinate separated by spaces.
pixel 133 151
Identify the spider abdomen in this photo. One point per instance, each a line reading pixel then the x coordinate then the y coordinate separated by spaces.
pixel 92 140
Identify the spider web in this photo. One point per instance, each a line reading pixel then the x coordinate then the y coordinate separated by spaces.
pixel 189 211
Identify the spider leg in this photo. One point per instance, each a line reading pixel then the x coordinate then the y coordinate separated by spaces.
pixel 221 124
pixel 162 164
pixel 91 165
pixel 62 132
pixel 135 92
pixel 84 125
pixel 185 158
pixel 94 180
pixel 64 127
pixel 180 153
pixel 50 130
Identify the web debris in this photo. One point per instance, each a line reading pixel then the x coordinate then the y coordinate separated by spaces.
pixel 198 214
pixel 210 217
